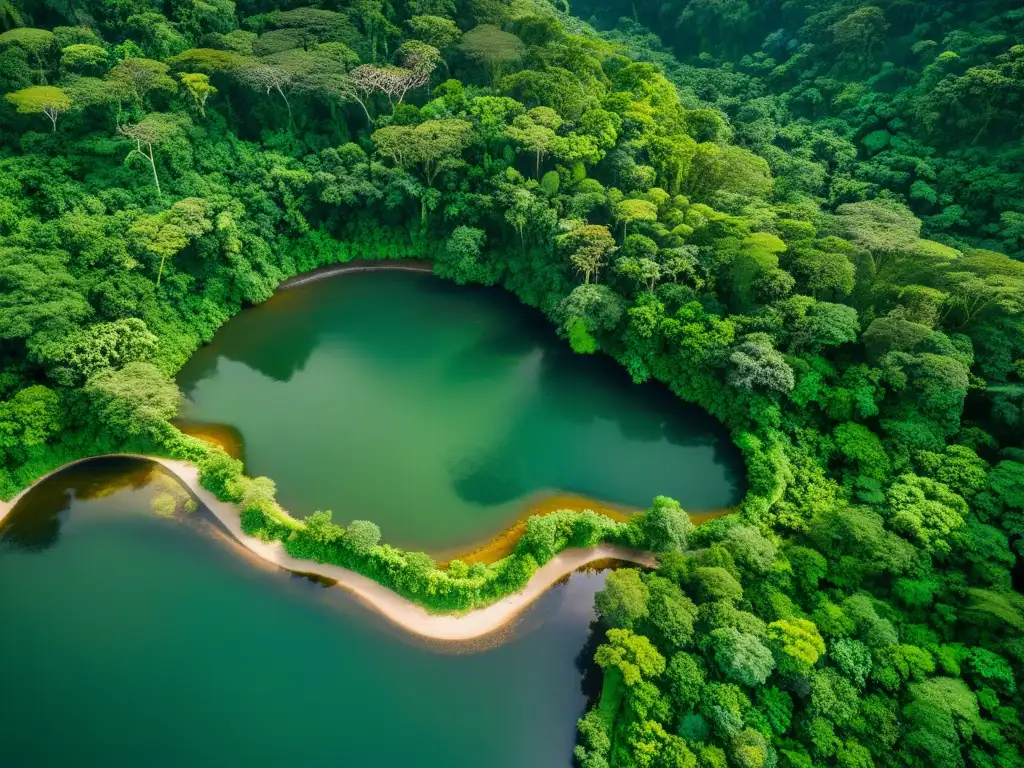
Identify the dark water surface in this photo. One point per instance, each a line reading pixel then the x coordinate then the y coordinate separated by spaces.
pixel 440 411
pixel 131 639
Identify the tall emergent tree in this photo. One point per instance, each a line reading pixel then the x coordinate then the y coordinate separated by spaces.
pixel 492 47
pixel 432 146
pixel 41 100
pixel 152 130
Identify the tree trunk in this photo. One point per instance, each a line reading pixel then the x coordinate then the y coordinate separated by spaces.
pixel 983 127
pixel 369 120
pixel 156 180
pixel 287 105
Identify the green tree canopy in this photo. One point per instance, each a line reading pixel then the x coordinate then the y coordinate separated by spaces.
pixel 137 399
pixel 41 100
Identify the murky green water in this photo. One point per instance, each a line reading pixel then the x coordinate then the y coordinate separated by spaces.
pixel 440 412
pixel 134 640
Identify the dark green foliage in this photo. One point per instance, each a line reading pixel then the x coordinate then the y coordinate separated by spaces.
pixel 917 101
pixel 801 227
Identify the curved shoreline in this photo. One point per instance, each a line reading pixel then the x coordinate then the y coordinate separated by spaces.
pixel 359 265
pixel 403 613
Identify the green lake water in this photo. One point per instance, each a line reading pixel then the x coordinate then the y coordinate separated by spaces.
pixel 130 639
pixel 441 412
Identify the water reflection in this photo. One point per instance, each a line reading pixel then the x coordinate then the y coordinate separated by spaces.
pixel 143 629
pixel 438 410
pixel 491 478
pixel 489 351
pixel 646 412
pixel 282 349
pixel 277 353
pixel 590 673
pixel 570 416
pixel 35 522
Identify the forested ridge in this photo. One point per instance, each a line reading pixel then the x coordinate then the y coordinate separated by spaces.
pixel 850 100
pixel 784 230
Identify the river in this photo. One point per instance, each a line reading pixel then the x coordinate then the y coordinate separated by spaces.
pixel 444 413
pixel 132 638
pixel 137 632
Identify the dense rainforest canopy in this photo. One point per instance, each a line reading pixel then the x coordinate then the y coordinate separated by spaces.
pixel 849 100
pixel 804 215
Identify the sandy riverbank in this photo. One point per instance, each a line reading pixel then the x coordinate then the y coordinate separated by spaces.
pixel 359 265
pixel 403 613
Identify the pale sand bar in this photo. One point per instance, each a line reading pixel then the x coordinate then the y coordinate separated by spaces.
pixel 404 613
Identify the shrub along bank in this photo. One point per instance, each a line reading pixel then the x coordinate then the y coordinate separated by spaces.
pixel 415 575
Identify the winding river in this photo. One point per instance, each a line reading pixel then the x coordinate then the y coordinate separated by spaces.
pixel 145 634
pixel 444 413
pixel 137 639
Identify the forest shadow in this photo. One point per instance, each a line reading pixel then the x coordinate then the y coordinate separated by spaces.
pixel 487 354
pixel 646 412
pixel 590 673
pixel 35 522
pixel 491 479
pixel 278 356
pixel 275 339
pixel 578 391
